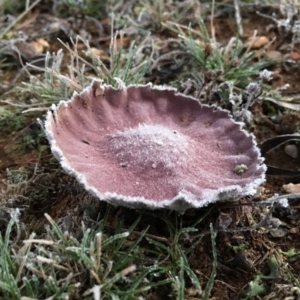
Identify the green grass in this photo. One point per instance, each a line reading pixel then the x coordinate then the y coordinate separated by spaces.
pixel 118 264
pixel 9 120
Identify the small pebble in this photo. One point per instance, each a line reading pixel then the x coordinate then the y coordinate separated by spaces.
pixel 294 55
pixel 257 42
pixel 292 188
pixel 274 55
pixel 291 150
pixel 279 232
pixel 124 164
pixel 294 230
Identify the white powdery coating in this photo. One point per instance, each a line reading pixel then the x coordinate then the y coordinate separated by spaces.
pixel 149 146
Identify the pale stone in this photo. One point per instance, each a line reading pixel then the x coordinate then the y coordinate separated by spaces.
pixel 291 150
pixel 292 188
pixel 257 42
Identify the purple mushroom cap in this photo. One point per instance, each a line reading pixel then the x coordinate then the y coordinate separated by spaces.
pixel 142 146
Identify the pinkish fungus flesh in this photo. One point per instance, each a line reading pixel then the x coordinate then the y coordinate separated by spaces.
pixel 144 146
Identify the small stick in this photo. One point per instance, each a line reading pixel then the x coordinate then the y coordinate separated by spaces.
pixel 238 17
pixel 212 27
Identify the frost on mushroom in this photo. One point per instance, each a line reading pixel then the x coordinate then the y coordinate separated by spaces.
pixel 144 146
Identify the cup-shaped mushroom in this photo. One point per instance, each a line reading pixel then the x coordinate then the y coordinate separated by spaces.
pixel 143 146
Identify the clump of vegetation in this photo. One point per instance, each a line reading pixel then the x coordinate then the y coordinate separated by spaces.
pixel 97 263
pixel 17 176
pixel 55 85
pixel 79 8
pixel 12 7
pixel 10 121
